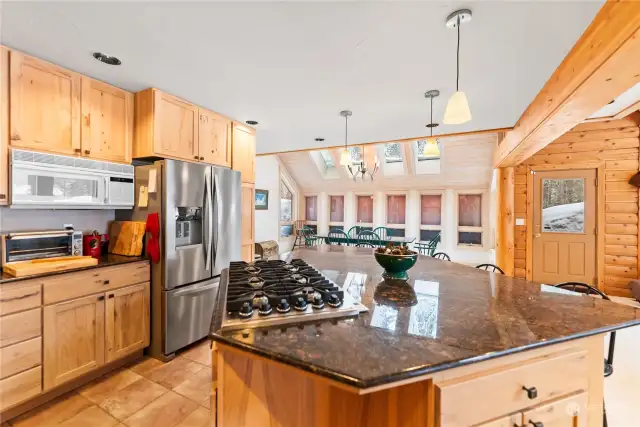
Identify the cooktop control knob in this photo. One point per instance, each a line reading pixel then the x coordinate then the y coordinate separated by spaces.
pixel 246 310
pixel 317 302
pixel 265 309
pixel 283 306
pixel 300 304
pixel 334 300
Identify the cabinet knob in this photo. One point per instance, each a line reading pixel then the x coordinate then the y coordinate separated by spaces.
pixel 87 151
pixel 3 196
pixel 105 282
pixel 201 158
pixel 195 157
pixel 110 295
pixel 532 392
pixel 101 298
pixel 77 150
pixel 535 424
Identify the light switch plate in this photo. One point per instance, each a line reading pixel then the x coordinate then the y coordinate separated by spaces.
pixel 520 221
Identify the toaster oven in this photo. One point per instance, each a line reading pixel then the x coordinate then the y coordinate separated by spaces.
pixel 30 245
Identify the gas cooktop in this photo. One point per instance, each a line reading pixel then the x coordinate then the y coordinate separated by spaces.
pixel 273 292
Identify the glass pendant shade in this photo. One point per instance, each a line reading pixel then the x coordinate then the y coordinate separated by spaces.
pixel 345 158
pixel 431 148
pixel 457 111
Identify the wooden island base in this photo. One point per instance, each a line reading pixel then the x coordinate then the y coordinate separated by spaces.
pixel 568 379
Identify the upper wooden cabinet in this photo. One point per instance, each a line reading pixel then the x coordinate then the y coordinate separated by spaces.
pixel 4 125
pixel 244 152
pixel 44 109
pixel 107 121
pixel 214 138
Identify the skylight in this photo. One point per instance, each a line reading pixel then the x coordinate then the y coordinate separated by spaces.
pixel 356 154
pixel 393 153
pixel 420 151
pixel 328 160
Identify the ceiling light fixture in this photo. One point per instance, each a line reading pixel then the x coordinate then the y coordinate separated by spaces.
pixel 457 111
pixel 110 60
pixel 345 157
pixel 251 122
pixel 358 169
pixel 431 148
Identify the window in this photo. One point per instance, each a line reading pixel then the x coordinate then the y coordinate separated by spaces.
pixel 396 214
pixel 393 153
pixel 430 216
pixel 336 211
pixel 470 219
pixel 311 209
pixel 356 154
pixel 328 160
pixel 286 210
pixel 420 150
pixel 365 210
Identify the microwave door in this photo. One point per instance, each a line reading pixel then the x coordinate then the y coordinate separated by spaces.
pixel 227 218
pixel 186 227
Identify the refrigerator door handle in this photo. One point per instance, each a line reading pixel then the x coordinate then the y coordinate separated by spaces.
pixel 209 219
pixel 195 290
pixel 218 204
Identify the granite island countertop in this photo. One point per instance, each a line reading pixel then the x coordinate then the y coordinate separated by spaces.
pixel 446 315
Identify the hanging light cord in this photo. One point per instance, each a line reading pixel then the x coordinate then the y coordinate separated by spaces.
pixel 458 57
pixel 431 127
pixel 346 130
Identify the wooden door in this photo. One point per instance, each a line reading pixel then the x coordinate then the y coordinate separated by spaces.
pixel 175 127
pixel 4 125
pixel 214 138
pixel 44 105
pixel 248 212
pixel 107 121
pixel 73 339
pixel 127 320
pixel 244 152
pixel 568 412
pixel 564 226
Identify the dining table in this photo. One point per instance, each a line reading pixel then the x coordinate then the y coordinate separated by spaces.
pixel 352 241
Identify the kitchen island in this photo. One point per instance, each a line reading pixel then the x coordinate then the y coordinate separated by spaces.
pixel 452 346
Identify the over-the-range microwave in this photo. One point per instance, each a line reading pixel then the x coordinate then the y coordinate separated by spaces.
pixel 48 181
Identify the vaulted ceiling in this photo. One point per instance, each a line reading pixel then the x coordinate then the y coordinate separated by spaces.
pixel 294 65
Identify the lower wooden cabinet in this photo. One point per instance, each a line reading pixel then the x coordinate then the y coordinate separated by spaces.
pixel 127 320
pixel 20 387
pixel 513 420
pixel 566 412
pixel 73 339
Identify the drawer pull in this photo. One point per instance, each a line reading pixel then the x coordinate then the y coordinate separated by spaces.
pixel 536 424
pixel 105 282
pixel 101 298
pixel 532 393
pixel 111 295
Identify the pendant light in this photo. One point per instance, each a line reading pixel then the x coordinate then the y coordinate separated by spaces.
pixel 457 111
pixel 345 157
pixel 431 148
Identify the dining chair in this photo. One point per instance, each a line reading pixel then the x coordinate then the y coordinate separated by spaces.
pixel 383 232
pixel 441 255
pixel 589 290
pixel 298 225
pixel 490 267
pixel 309 235
pixel 338 237
pixel 353 231
pixel 368 238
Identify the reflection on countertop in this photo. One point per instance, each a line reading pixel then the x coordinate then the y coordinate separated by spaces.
pixel 445 315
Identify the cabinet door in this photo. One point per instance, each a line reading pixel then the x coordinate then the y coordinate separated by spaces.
pixel 243 146
pixel 175 127
pixel 73 339
pixel 127 320
pixel 44 105
pixel 214 138
pixel 107 121
pixel 509 421
pixel 4 125
pixel 568 412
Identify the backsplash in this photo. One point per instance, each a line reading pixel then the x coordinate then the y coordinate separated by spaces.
pixel 49 219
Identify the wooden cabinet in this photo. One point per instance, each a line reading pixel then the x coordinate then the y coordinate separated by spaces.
pixel 567 412
pixel 214 138
pixel 503 422
pixel 127 320
pixel 107 121
pixel 4 125
pixel 244 152
pixel 20 387
pixel 248 221
pixel 73 339
pixel 44 108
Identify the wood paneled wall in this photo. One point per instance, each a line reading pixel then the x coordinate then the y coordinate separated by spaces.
pixel 613 146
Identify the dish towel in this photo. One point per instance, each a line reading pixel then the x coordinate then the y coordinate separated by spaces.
pixel 153 243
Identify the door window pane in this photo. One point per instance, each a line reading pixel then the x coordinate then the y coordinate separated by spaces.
pixel 365 209
pixel 337 208
pixel 396 206
pixel 470 210
pixel 311 208
pixel 430 207
pixel 563 205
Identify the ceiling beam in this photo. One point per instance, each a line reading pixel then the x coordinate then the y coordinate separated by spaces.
pixel 604 63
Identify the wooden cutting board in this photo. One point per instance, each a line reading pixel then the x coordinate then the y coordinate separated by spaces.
pixel 49 265
pixel 125 237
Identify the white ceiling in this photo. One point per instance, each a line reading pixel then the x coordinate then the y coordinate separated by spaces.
pixel 294 65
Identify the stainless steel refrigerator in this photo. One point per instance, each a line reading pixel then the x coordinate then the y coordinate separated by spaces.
pixel 200 233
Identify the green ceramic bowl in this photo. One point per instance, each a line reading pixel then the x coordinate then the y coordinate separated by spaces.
pixel 396 266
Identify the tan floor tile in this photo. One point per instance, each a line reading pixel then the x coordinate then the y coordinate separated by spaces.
pixel 55 412
pixel 200 353
pixel 105 386
pixel 124 403
pixel 198 418
pixel 174 373
pixel 146 365
pixel 167 411
pixel 92 416
pixel 196 388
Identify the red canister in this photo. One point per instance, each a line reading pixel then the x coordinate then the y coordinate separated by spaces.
pixel 91 244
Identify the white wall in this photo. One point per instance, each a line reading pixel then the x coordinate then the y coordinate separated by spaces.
pixel 267 224
pixel 49 219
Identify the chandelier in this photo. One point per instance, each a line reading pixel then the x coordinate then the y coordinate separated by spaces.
pixel 431 148
pixel 357 170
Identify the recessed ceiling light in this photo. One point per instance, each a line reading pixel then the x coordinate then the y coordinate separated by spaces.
pixel 110 60
pixel 319 139
pixel 251 122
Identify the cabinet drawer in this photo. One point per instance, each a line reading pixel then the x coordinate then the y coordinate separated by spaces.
pixel 486 395
pixel 18 327
pixel 20 357
pixel 20 296
pixel 75 285
pixel 21 387
pixel 567 412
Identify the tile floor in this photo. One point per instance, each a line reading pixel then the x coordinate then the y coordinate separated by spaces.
pixel 148 393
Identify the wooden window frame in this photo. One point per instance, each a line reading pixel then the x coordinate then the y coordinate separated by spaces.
pixel 386 206
pixel 373 209
pixel 295 194
pixel 344 205
pixel 422 226
pixel 484 218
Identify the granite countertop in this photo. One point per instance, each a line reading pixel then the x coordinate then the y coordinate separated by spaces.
pixel 446 315
pixel 103 261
